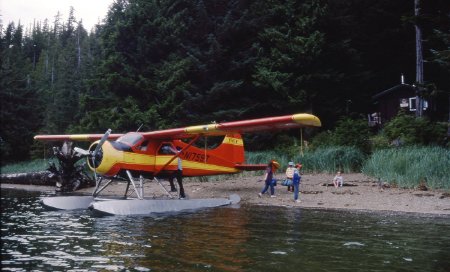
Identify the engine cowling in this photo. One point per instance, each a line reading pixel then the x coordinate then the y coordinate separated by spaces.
pixel 106 160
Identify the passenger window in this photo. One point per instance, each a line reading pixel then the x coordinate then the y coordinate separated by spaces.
pixel 166 149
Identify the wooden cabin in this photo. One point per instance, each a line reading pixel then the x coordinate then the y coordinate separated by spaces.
pixel 389 102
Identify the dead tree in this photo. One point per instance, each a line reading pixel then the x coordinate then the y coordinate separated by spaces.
pixel 70 175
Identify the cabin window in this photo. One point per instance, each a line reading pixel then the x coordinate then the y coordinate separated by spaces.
pixel 374 119
pixel 412 104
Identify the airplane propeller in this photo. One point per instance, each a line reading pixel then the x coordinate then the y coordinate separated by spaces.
pixel 95 155
pixel 81 151
pixel 101 142
pixel 97 149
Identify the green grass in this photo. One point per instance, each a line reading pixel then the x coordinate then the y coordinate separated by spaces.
pixel 332 159
pixel 25 167
pixel 329 159
pixel 409 166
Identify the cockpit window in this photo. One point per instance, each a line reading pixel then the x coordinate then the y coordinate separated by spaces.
pixel 143 146
pixel 130 139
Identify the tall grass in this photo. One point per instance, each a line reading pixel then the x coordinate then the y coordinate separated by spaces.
pixel 327 159
pixel 409 166
pixel 333 159
pixel 26 167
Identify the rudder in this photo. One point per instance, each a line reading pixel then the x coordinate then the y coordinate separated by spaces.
pixel 232 148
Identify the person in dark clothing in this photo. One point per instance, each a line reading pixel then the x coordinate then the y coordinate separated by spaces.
pixel 178 175
pixel 268 178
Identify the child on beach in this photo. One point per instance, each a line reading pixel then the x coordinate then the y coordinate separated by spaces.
pixel 268 177
pixel 289 176
pixel 296 181
pixel 338 180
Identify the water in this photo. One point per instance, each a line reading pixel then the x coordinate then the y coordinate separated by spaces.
pixel 247 238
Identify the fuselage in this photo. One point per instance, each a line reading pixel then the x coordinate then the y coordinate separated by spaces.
pixel 133 152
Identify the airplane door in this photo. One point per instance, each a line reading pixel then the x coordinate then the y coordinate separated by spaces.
pixel 165 158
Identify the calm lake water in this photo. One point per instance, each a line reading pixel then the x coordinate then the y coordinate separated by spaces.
pixel 245 238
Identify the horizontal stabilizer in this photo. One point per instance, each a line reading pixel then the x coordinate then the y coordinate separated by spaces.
pixel 251 167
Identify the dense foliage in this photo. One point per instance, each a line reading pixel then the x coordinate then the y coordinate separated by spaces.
pixel 347 132
pixel 408 130
pixel 170 63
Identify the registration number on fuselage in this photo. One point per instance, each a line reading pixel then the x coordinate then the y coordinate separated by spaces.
pixel 193 156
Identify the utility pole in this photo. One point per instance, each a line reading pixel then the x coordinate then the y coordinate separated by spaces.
pixel 419 61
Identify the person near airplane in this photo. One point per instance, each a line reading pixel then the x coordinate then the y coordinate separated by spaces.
pixel 272 166
pixel 177 174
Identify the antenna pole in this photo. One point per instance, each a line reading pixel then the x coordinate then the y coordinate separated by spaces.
pixel 419 62
pixel 301 142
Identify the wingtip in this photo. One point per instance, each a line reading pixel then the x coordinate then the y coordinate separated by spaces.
pixel 307 119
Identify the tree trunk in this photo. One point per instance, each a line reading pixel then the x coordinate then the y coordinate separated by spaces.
pixel 36 178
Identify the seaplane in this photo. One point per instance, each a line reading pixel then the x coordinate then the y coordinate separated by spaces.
pixel 140 156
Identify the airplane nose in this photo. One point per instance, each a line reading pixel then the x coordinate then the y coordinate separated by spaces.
pixel 97 158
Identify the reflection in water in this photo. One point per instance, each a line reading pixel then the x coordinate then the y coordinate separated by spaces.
pixel 212 238
pixel 249 238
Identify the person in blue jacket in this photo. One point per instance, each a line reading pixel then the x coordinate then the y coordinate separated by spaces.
pixel 296 181
pixel 268 178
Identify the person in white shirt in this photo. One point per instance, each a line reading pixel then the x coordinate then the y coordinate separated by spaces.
pixel 289 176
pixel 338 180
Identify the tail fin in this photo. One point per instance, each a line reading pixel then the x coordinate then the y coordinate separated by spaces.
pixel 232 148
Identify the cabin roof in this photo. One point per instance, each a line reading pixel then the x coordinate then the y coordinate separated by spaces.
pixel 393 89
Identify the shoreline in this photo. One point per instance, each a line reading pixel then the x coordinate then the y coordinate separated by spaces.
pixel 359 193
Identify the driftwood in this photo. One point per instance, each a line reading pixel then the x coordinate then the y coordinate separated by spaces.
pixel 67 176
pixel 70 176
pixel 344 185
pixel 37 178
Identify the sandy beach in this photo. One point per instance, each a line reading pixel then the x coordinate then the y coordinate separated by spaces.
pixel 359 193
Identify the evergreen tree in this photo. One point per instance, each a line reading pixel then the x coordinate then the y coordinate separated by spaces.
pixel 18 120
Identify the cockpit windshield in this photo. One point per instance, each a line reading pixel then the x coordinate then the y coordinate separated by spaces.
pixel 130 138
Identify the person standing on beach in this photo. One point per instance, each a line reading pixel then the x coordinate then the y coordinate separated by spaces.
pixel 296 181
pixel 178 175
pixel 289 176
pixel 268 178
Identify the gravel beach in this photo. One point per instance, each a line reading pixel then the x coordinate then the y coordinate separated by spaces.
pixel 358 193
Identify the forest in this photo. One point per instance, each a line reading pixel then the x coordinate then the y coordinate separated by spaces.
pixel 170 63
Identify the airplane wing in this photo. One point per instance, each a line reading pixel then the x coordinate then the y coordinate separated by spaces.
pixel 214 129
pixel 75 137
pixel 245 126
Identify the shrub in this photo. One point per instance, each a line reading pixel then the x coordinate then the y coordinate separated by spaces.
pixel 379 141
pixel 409 130
pixel 348 132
